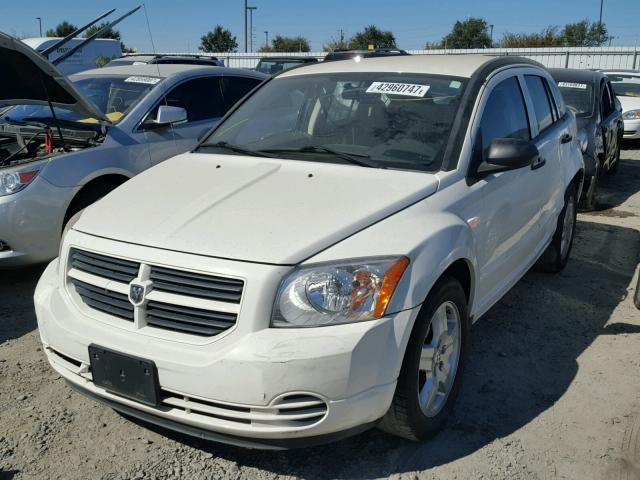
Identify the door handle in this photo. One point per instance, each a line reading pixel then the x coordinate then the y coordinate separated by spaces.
pixel 566 138
pixel 538 164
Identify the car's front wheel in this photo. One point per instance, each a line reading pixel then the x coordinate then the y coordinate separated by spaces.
pixel 432 367
pixel 613 169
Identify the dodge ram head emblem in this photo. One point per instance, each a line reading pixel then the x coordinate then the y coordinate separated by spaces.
pixel 136 294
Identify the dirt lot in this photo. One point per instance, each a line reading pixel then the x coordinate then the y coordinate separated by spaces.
pixel 553 388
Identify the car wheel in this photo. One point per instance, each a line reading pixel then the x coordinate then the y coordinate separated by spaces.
pixel 589 198
pixel 556 256
pixel 431 371
pixel 613 169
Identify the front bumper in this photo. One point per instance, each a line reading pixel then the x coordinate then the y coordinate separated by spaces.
pixel 31 223
pixel 631 130
pixel 352 369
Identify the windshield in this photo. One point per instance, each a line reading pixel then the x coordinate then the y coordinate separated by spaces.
pixel 393 120
pixel 114 96
pixel 578 97
pixel 625 85
pixel 274 66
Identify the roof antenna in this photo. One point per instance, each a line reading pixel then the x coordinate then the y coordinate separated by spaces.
pixel 164 94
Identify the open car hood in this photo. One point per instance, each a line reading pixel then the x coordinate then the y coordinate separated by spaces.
pixel 28 78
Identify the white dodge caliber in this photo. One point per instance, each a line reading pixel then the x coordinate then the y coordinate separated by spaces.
pixel 313 268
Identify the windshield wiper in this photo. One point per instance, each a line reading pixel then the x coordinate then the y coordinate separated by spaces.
pixel 349 157
pixel 24 123
pixel 239 149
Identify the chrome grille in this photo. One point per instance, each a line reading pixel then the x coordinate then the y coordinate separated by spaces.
pixel 188 303
pixel 196 285
pixel 103 266
pixel 195 321
pixel 107 301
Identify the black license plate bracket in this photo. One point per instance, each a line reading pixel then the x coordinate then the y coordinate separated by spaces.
pixel 128 376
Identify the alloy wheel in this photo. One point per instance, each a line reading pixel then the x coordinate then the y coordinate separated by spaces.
pixel 439 359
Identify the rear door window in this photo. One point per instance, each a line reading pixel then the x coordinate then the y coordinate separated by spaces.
pixel 607 101
pixel 200 97
pixel 542 104
pixel 234 88
pixel 505 114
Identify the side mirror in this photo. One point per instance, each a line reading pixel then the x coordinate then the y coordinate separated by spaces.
pixel 508 154
pixel 166 116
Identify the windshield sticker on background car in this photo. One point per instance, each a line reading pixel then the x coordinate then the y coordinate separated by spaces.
pixel 406 89
pixel 581 86
pixel 147 80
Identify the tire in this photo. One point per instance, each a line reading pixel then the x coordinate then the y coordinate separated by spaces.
pixel 613 169
pixel 589 199
pixel 556 256
pixel 406 417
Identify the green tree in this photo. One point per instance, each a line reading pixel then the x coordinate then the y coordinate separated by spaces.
pixel 469 33
pixel 549 37
pixel 288 44
pixel 372 35
pixel 335 44
pixel 584 34
pixel 62 30
pixel 218 40
pixel 108 33
pixel 102 61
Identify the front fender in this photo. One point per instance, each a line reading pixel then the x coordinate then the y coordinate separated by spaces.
pixel 432 241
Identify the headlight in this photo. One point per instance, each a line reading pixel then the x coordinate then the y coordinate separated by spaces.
pixel 15 180
pixel 330 294
pixel 631 115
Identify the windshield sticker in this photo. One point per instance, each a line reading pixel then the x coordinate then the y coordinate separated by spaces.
pixel 147 80
pixel 581 86
pixel 406 89
pixel 455 84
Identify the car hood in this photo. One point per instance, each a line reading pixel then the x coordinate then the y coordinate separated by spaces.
pixel 29 79
pixel 251 208
pixel 629 103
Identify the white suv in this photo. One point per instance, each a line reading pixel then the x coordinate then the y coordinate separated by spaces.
pixel 314 267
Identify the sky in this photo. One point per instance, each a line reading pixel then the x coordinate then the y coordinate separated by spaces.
pixel 177 25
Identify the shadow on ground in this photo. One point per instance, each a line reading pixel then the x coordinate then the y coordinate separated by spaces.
pixel 614 190
pixel 17 316
pixel 524 358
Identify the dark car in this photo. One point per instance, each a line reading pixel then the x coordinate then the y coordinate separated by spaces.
pixel 204 60
pixel 590 96
pixel 272 65
pixel 378 52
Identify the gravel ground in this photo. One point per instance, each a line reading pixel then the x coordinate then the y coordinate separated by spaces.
pixel 552 390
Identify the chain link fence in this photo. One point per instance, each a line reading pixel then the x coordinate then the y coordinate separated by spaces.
pixel 596 57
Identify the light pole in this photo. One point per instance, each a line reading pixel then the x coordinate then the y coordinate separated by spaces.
pixel 266 39
pixel 491 42
pixel 40 24
pixel 251 9
pixel 600 21
pixel 246 44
